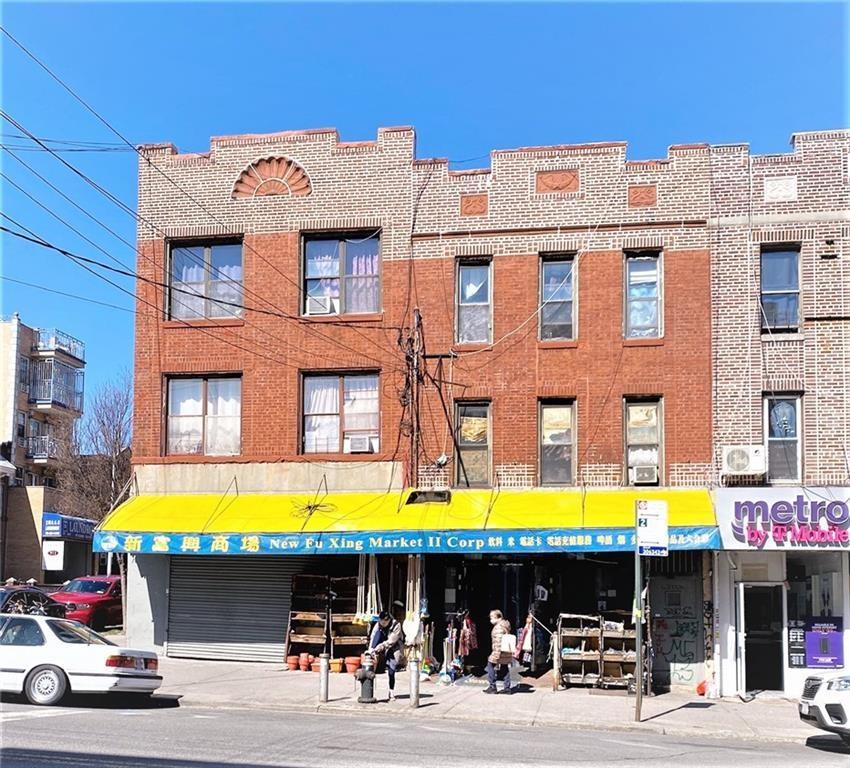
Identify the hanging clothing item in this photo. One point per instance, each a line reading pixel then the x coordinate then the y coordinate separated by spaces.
pixel 468 637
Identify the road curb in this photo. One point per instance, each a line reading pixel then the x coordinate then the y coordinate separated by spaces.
pixel 371 710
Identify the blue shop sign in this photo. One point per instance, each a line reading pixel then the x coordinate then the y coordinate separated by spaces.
pixel 397 542
pixel 56 526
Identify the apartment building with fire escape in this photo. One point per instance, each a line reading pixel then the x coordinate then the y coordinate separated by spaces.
pixel 41 396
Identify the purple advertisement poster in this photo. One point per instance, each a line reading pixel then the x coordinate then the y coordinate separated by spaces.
pixel 825 642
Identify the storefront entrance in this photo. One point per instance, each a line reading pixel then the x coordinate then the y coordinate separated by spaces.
pixel 761 623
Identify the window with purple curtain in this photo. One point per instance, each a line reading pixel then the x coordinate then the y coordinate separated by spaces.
pixel 341 275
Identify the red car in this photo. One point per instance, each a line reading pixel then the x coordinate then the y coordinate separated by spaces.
pixel 93 600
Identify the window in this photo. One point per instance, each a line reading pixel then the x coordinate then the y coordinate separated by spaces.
pixel 556 299
pixel 206 281
pixel 23 373
pixel 782 427
pixel 780 290
pixel 21 428
pixel 21 632
pixel 204 416
pixel 76 634
pixel 556 443
pixel 643 441
pixel 473 439
pixel 473 303
pixel 643 296
pixel 341 414
pixel 815 585
pixel 341 275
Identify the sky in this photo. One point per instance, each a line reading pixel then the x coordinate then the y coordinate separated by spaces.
pixel 470 78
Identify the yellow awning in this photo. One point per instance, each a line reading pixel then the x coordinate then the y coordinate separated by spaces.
pixel 356 512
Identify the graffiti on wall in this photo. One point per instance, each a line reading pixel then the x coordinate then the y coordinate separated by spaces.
pixel 676 643
pixel 677 634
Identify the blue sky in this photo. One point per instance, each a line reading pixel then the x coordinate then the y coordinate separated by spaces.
pixel 470 78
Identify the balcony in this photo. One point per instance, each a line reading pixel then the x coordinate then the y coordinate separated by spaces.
pixel 54 384
pixel 53 340
pixel 42 448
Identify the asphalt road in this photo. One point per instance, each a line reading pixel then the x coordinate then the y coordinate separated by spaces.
pixel 102 733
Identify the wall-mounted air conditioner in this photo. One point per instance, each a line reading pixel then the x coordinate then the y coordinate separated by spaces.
pixel 360 444
pixel 319 305
pixel 744 460
pixel 646 474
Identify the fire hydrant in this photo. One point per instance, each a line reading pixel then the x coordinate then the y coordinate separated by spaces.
pixel 366 677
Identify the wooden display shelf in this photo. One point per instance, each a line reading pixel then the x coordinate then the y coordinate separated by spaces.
pixel 350 640
pixel 308 639
pixel 307 615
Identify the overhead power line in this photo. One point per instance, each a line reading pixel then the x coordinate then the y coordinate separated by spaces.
pixel 142 155
pixel 303 322
pixel 65 293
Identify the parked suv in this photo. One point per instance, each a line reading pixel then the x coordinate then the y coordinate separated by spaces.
pixel 825 704
pixel 93 600
pixel 29 600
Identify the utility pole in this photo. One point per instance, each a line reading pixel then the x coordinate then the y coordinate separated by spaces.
pixel 414 363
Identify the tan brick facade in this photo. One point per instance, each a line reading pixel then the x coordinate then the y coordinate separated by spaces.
pixel 807 206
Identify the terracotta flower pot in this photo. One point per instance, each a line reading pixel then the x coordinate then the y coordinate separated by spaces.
pixel 336 665
pixel 292 662
pixel 352 664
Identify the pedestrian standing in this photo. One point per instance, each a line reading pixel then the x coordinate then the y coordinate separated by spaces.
pixel 500 657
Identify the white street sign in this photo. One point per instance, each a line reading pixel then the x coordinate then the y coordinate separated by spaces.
pixel 653 536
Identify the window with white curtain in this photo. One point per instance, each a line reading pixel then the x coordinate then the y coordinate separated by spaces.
pixel 643 296
pixel 206 281
pixel 643 438
pixel 341 414
pixel 205 416
pixel 341 275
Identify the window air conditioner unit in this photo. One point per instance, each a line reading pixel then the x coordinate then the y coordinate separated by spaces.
pixel 744 460
pixel 645 475
pixel 319 305
pixel 360 444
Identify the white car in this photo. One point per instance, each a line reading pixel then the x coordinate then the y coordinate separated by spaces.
pixel 44 658
pixel 825 704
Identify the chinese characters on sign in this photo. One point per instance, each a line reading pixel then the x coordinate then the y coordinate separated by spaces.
pixel 502 541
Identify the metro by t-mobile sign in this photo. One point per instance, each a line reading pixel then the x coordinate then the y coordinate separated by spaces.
pixel 653 535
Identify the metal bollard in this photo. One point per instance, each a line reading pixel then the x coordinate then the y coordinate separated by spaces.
pixel 366 677
pixel 414 681
pixel 324 674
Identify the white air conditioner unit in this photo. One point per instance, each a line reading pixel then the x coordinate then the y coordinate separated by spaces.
pixel 646 474
pixel 744 460
pixel 319 305
pixel 360 444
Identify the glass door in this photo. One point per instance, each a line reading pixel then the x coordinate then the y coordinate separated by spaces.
pixel 761 622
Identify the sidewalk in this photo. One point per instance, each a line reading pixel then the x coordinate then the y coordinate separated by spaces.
pixel 247 685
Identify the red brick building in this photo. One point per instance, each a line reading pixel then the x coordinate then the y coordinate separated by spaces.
pixel 582 215
pixel 590 335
